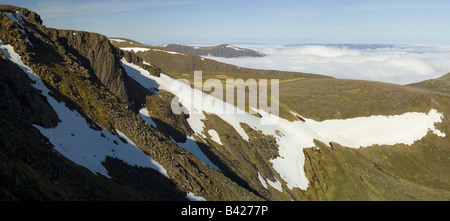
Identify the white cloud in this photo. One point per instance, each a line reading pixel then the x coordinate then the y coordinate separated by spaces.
pixel 399 64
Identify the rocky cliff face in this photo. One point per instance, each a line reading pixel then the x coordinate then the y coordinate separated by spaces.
pixel 94 52
pixel 85 73
pixel 30 169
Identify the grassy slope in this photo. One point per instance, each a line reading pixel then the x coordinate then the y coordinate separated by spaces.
pixel 399 172
pixel 441 84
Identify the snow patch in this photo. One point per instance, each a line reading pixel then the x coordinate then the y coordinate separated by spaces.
pixel 117 40
pixel 146 63
pixel 276 184
pixel 135 49
pixel 18 18
pixel 214 136
pixel 262 180
pixel 192 147
pixel 382 130
pixel 235 48
pixel 131 158
pixel 140 75
pixel 146 116
pixel 192 197
pixel 170 52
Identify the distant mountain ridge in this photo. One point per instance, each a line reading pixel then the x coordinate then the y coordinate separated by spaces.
pixel 223 50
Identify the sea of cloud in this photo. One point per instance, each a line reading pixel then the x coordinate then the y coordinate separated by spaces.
pixel 398 64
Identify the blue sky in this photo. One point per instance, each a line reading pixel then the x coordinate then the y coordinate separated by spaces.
pixel 263 21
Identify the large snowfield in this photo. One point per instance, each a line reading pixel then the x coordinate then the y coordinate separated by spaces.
pixel 138 49
pixel 292 137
